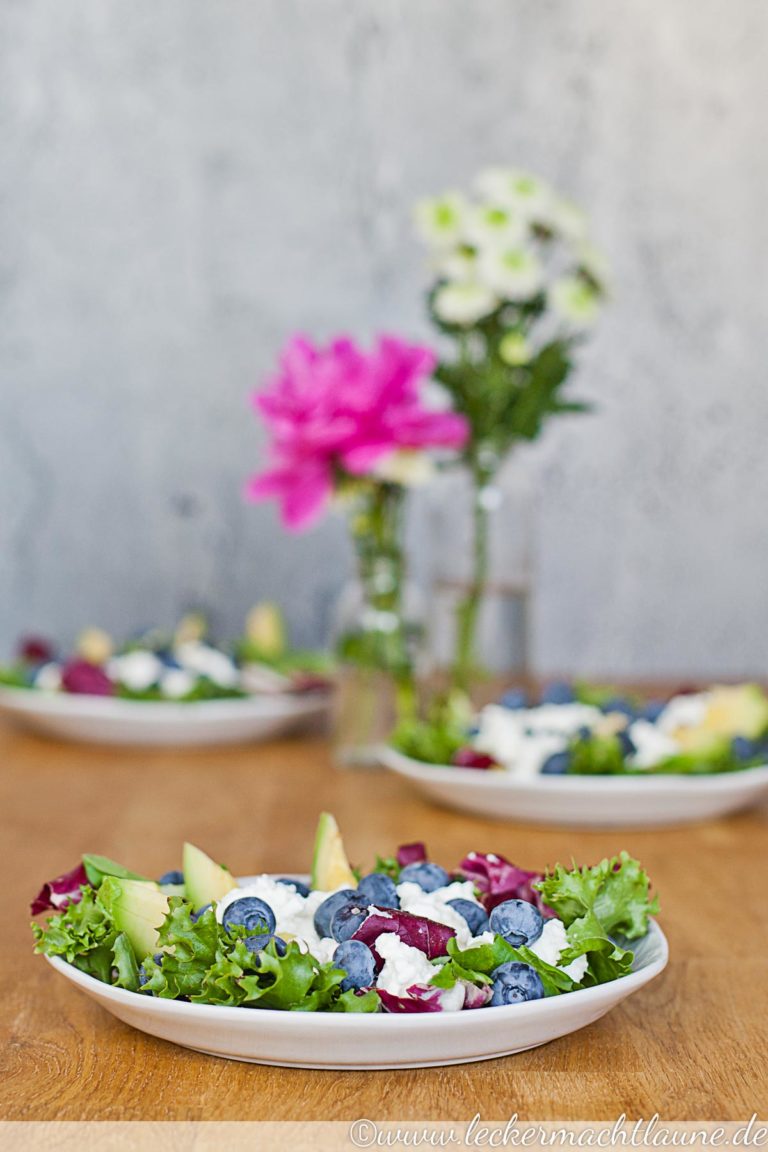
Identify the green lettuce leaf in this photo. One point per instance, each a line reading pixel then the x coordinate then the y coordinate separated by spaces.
pixel 83 935
pixel 188 950
pixel 125 964
pixel 606 959
pixel 477 965
pixel 616 890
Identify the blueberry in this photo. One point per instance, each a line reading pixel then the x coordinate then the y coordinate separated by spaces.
pixel 347 919
pixel 515 699
pixel 619 704
pixel 429 877
pixel 299 885
pixel 475 915
pixel 514 982
pixel 356 959
pixel 626 743
pixel 173 877
pixel 653 710
pixel 325 911
pixel 743 749
pixel 557 764
pixel 260 940
pixel 379 889
pixel 195 916
pixel 584 733
pixel 517 921
pixel 559 692
pixel 249 912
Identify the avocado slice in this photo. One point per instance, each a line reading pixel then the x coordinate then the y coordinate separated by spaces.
pixel 97 867
pixel 330 866
pixel 737 710
pixel 138 910
pixel 205 881
pixel 265 630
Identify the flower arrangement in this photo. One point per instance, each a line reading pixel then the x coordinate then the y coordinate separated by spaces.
pixel 516 286
pixel 353 425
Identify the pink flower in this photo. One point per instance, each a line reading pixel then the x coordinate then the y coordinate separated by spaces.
pixel 342 409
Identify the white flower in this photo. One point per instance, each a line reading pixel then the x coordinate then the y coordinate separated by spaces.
pixel 458 264
pixel 515 189
pixel 568 219
pixel 405 466
pixel 464 303
pixel 594 264
pixel 440 220
pixel 575 300
pixel 495 225
pixel 513 273
pixel 514 349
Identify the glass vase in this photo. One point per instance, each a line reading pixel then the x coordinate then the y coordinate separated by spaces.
pixel 376 631
pixel 481 533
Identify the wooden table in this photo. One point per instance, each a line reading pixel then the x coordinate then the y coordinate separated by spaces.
pixel 690 1046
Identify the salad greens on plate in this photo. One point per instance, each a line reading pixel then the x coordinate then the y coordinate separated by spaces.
pixel 409 936
pixel 579 730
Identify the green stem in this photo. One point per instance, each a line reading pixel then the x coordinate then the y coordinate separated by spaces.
pixel 468 608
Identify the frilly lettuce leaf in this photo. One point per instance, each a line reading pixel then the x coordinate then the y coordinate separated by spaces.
pixel 83 935
pixel 125 964
pixel 616 890
pixel 607 960
pixel 477 965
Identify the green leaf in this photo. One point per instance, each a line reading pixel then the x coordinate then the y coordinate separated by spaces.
pixel 125 963
pixel 616 890
pixel 189 950
pixel 607 960
pixel 478 964
pixel 97 867
pixel 83 935
pixel 389 866
pixel 352 1001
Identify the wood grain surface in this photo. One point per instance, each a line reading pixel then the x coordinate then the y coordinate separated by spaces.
pixel 691 1046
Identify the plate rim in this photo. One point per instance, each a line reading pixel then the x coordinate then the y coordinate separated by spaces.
pixel 397 761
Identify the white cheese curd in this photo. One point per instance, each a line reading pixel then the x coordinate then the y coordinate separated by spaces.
pixel 434 905
pixel 522 739
pixel 294 913
pixel 138 670
pixel 551 943
pixel 687 711
pixel 177 682
pixel 48 678
pixel 404 966
pixel 260 678
pixel 206 661
pixel 652 745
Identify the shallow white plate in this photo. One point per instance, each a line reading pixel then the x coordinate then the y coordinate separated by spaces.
pixel 105 720
pixel 347 1042
pixel 584 801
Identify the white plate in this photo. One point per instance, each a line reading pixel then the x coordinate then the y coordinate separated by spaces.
pixel 349 1041
pixel 105 720
pixel 584 801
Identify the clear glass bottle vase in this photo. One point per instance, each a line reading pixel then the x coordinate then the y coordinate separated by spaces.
pixel 376 632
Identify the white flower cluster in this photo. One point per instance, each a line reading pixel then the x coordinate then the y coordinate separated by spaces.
pixel 513 240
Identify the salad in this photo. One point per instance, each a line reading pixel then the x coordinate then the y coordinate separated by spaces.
pixel 408 936
pixel 581 731
pixel 184 665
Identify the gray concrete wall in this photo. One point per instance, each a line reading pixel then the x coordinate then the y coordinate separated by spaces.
pixel 183 183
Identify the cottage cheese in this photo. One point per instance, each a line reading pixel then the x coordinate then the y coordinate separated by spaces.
pixel 434 905
pixel 405 966
pixel 177 682
pixel 551 943
pixel 652 744
pixel 522 739
pixel 138 670
pixel 48 678
pixel 209 662
pixel 294 913
pixel 687 711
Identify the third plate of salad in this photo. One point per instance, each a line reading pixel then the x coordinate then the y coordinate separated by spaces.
pixel 590 757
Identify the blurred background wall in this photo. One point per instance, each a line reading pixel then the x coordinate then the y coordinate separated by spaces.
pixel 183 183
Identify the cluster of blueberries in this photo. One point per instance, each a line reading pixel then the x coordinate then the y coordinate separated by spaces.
pixel 343 912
